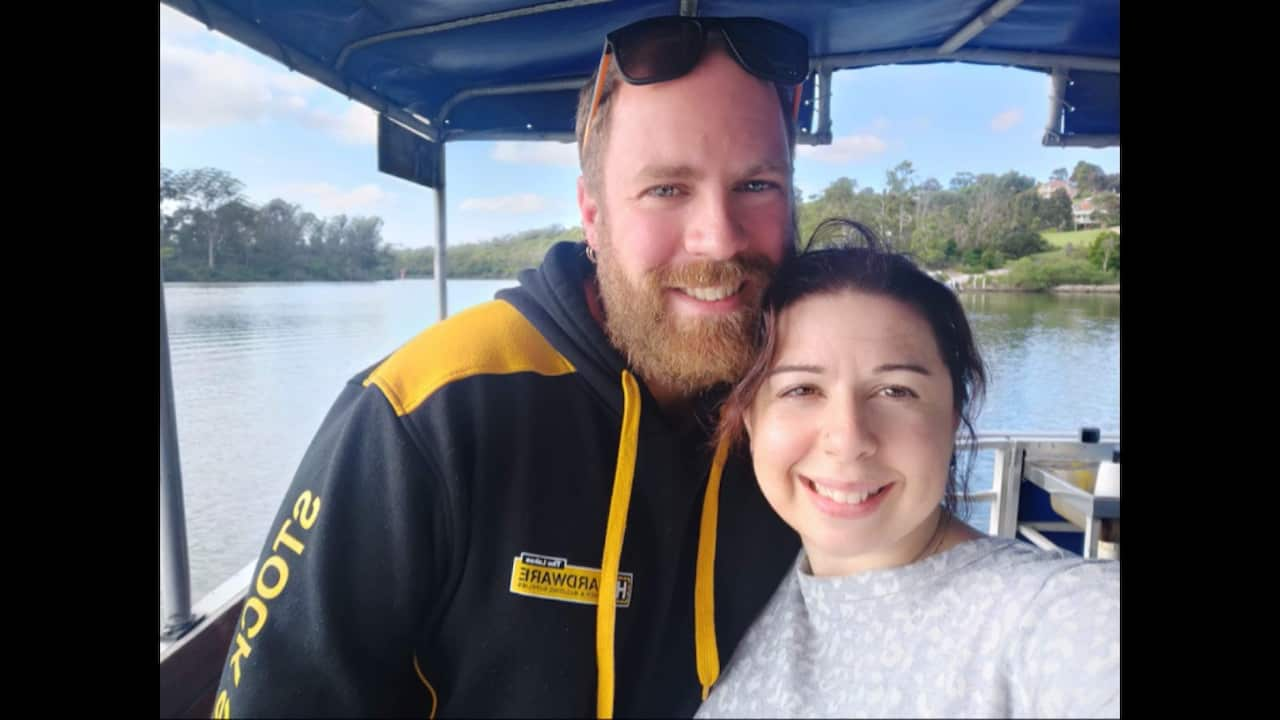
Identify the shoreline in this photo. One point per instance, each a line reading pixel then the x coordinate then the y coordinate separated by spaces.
pixel 1057 289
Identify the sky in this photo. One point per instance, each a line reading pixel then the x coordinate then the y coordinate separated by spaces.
pixel 284 135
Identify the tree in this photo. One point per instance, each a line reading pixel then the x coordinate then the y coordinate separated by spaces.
pixel 278 232
pixel 1107 209
pixel 168 192
pixel 925 194
pixel 201 193
pixel 1055 212
pixel 986 212
pixel 1059 174
pixel 900 184
pixel 361 245
pixel 839 194
pixel 312 231
pixel 1105 251
pixel 168 185
pixel 1021 242
pixel 931 240
pixel 1013 182
pixel 234 229
pixel 838 200
pixel 1026 210
pixel 334 230
pixel 962 180
pixel 1088 177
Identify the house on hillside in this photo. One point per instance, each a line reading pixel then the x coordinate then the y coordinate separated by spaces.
pixel 1046 190
pixel 1082 214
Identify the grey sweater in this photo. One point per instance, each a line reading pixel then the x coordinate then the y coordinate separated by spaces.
pixel 990 628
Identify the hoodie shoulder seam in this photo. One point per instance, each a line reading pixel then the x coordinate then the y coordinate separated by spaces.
pixel 492 338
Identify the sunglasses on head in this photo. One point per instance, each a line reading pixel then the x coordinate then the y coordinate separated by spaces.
pixel 659 49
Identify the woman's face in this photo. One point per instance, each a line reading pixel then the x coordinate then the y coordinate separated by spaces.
pixel 853 429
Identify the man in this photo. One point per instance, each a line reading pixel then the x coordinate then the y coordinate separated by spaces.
pixel 453 542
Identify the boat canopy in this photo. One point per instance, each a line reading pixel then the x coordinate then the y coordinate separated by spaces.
pixel 496 69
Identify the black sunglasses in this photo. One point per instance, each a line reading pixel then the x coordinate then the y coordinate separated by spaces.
pixel 658 49
pixel 665 48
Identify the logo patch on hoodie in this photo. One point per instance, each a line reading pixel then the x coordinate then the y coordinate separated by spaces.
pixel 553 578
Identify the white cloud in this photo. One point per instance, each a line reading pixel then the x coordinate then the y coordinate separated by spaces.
pixel 846 149
pixel 1006 120
pixel 360 125
pixel 325 199
pixel 174 24
pixel 357 126
pixel 201 89
pixel 521 204
pixel 536 153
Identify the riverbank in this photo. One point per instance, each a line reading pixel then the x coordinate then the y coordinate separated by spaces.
pixel 987 283
pixel 1060 289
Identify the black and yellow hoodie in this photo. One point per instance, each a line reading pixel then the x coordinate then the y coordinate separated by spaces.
pixel 441 548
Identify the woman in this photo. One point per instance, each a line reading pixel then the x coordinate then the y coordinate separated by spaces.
pixel 867 369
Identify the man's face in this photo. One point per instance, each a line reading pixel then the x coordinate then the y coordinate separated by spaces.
pixel 694 212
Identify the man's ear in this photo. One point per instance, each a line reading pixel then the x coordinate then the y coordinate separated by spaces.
pixel 589 210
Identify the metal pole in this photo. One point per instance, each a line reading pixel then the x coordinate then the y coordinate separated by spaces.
pixel 441 297
pixel 999 469
pixel 175 577
pixel 824 105
pixel 1057 91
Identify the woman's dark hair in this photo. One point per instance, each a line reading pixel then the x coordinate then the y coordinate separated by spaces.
pixel 874 271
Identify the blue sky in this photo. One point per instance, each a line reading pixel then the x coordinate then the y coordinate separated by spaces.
pixel 283 135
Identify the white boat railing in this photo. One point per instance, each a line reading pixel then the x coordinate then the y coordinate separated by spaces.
pixel 1059 463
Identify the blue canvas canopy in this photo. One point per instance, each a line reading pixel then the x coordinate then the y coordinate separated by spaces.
pixel 496 69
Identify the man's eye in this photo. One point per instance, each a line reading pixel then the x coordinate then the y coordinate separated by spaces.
pixel 758 185
pixel 664 191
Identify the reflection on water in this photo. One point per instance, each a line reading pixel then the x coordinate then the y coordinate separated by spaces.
pixel 255 368
pixel 1054 367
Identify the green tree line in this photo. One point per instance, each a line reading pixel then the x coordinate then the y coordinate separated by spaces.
pixel 977 222
pixel 209 231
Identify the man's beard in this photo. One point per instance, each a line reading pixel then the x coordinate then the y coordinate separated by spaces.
pixel 683 354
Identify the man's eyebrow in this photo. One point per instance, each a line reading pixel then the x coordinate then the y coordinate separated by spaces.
pixel 768 166
pixel 676 171
pixel 667 172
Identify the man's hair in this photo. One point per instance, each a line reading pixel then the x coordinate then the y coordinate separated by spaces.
pixel 591 159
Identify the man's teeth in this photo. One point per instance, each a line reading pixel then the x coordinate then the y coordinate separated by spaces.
pixel 710 294
pixel 843 497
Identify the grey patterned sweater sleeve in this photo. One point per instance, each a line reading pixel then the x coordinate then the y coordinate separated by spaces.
pixel 990 628
pixel 1066 656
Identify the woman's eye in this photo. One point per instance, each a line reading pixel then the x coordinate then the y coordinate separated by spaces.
pixel 799 391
